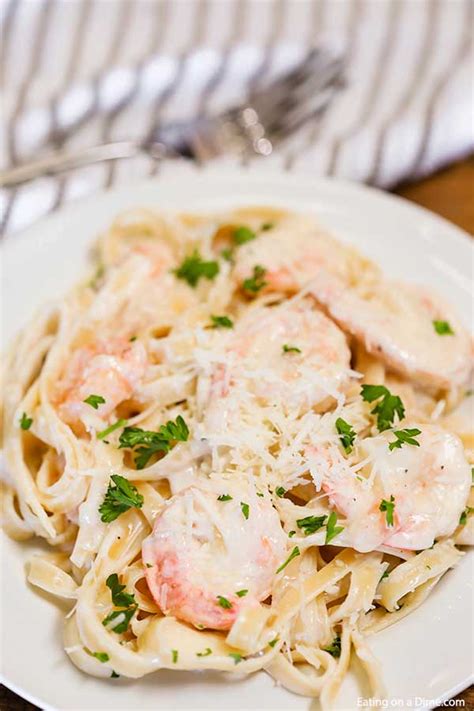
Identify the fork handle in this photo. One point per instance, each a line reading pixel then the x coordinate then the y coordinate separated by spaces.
pixel 69 159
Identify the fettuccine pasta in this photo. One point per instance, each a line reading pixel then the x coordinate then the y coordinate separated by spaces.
pixel 247 448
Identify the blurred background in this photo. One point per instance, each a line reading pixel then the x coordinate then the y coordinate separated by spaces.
pixel 77 73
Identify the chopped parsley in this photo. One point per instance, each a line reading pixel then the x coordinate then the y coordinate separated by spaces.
pixel 94 401
pixel 245 509
pixel 472 474
pixel 149 443
pixel 253 284
pixel 280 492
pixel 267 226
pixel 228 254
pixel 99 273
pixel 443 328
pixel 25 421
pixel 291 534
pixel 290 349
pixel 194 267
pixel 385 574
pixel 206 652
pixel 112 428
pixel 388 507
pixel 241 593
pixel 242 235
pixel 224 497
pixel 224 602
pixel 311 524
pixel 120 497
pixel 388 406
pixel 174 655
pixel 346 434
pixel 463 517
pixel 331 529
pixel 221 322
pixel 404 437
pixel 101 656
pixel 273 641
pixel 125 601
pixel 125 618
pixel 132 339
pixel 114 675
pixel 334 648
pixel 294 554
pixel 236 657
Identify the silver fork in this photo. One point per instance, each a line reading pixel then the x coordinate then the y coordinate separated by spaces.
pixel 268 116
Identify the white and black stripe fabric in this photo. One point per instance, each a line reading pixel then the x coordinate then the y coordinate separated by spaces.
pixel 80 72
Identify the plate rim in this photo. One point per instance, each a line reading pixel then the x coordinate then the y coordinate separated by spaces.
pixel 223 172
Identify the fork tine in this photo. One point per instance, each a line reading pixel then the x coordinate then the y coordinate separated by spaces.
pixel 284 95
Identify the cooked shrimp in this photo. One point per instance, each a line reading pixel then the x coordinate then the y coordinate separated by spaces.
pixel 429 485
pixel 207 558
pixel 290 354
pixel 293 252
pixel 400 323
pixel 396 322
pixel 111 370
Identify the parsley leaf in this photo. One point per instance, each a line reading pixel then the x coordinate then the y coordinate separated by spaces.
pixel 228 254
pixel 331 529
pixel 101 656
pixel 256 282
pixel 194 267
pixel 311 524
pixel 95 280
pixel 280 492
pixel 25 422
pixel 242 235
pixel 405 436
pixel 236 657
pixel 464 515
pixel 121 599
pixel 153 442
pixel 119 498
pixel 294 554
pixel 241 593
pixel 206 652
pixel 346 434
pixel 388 406
pixel 290 349
pixel 174 655
pixel 224 602
pixel 224 497
pixel 388 507
pixel 334 648
pixel 443 328
pixel 94 401
pixel 245 509
pixel 221 322
pixel 112 428
pixel 273 641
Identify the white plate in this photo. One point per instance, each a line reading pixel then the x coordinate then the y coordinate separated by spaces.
pixel 428 655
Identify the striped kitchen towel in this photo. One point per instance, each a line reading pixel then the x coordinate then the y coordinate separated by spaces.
pixel 81 72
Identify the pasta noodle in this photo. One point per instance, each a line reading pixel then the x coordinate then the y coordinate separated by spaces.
pixel 189 430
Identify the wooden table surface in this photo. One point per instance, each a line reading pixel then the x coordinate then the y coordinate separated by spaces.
pixel 450 193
